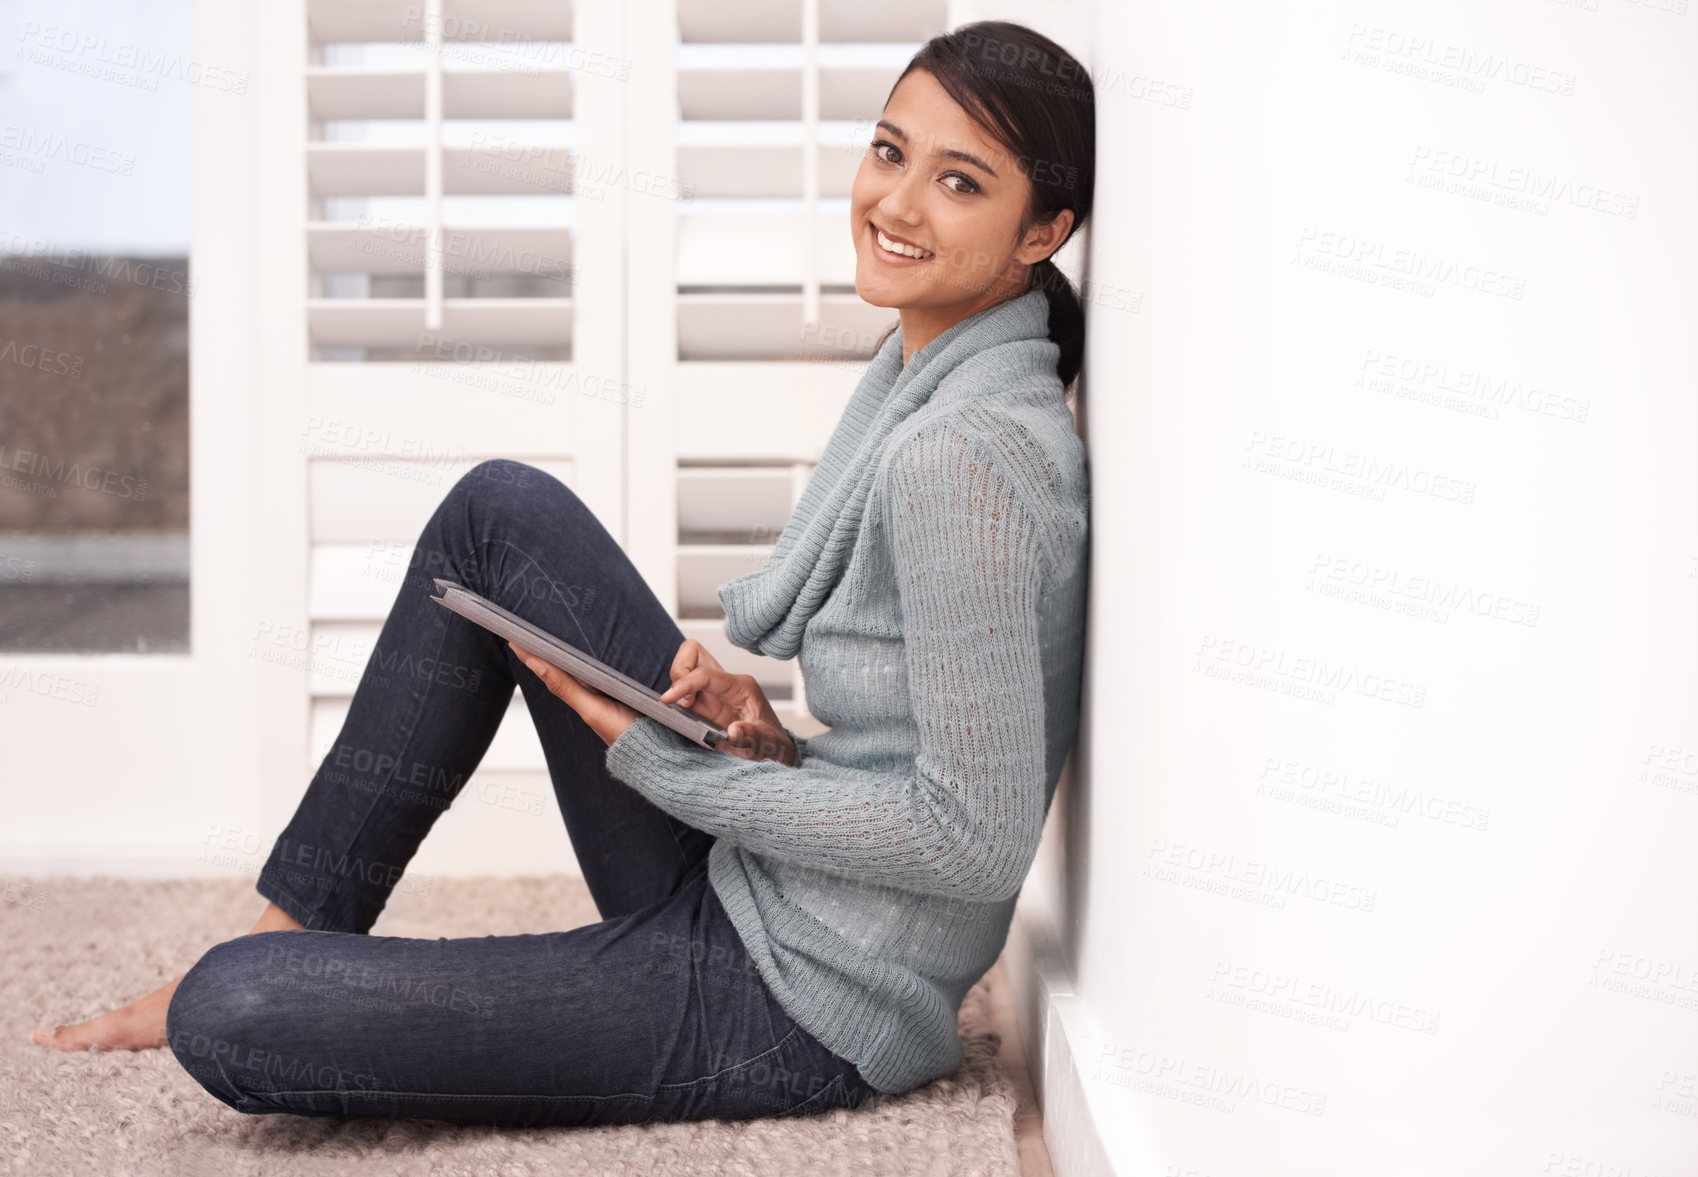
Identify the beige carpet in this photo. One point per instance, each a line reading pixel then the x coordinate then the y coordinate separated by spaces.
pixel 72 948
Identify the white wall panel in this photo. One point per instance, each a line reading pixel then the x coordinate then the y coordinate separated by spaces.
pixel 1377 857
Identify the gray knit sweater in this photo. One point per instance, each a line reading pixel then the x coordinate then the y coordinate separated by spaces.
pixel 932 581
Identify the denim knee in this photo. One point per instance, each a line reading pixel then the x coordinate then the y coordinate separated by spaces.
pixel 498 478
pixel 500 488
pixel 213 1014
pixel 506 499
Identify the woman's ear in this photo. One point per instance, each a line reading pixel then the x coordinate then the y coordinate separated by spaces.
pixel 1043 240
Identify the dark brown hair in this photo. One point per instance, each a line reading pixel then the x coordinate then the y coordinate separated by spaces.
pixel 1036 99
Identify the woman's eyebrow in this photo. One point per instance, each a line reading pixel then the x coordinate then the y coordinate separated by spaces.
pixel 945 152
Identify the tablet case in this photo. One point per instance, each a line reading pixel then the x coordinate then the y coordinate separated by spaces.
pixel 574 661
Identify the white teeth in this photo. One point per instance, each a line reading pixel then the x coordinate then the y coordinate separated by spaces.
pixel 898 247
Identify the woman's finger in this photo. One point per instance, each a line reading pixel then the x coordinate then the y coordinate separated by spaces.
pixel 687 658
pixel 692 654
pixel 735 689
pixel 755 739
pixel 558 682
pixel 684 689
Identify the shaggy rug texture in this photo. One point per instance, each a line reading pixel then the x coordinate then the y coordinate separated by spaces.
pixel 74 948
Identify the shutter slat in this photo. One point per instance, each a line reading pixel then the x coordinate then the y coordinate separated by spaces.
pixel 761 90
pixel 333 21
pixel 379 169
pixel 342 94
pixel 375 248
pixel 400 322
pixel 840 20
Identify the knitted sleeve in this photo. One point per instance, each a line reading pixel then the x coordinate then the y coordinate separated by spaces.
pixel 801 743
pixel 966 819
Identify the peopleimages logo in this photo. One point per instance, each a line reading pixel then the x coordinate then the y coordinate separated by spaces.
pixel 32 255
pixel 34 465
pixel 43 359
pixel 48 685
pixel 1271 883
pixel 100 56
pixel 1322 995
pixel 48 146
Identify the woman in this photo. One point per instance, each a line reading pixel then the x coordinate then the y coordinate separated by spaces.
pixel 790 927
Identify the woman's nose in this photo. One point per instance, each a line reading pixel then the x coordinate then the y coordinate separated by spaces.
pixel 909 185
pixel 899 206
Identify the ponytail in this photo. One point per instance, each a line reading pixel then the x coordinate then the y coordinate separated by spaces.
pixel 1066 318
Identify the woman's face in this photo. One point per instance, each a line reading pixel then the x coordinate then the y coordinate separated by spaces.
pixel 934 181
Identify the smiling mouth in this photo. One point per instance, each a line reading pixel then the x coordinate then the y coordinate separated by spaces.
pixel 891 248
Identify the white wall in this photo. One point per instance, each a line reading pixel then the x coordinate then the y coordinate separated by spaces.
pixel 1339 885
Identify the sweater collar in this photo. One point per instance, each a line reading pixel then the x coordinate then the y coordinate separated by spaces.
pixel 767 610
pixel 1025 316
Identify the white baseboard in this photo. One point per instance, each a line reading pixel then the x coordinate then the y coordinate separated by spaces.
pixel 153 860
pixel 1051 1022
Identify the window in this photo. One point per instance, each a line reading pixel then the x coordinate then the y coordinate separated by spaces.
pixel 95 285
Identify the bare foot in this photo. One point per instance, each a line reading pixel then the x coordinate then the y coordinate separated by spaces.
pixel 136 1026
pixel 141 1024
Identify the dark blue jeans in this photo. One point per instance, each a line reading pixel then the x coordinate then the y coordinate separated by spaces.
pixel 655 1013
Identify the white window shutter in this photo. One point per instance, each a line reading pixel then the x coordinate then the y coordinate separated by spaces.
pixel 465 290
pixel 607 239
pixel 744 312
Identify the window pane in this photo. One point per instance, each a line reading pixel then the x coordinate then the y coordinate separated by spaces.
pixel 94 300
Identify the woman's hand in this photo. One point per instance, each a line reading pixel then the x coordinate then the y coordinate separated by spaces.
pixel 734 701
pixel 607 717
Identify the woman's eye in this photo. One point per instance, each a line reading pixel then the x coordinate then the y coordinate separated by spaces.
pixel 967 184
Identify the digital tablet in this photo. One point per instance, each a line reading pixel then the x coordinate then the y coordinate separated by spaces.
pixel 575 662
